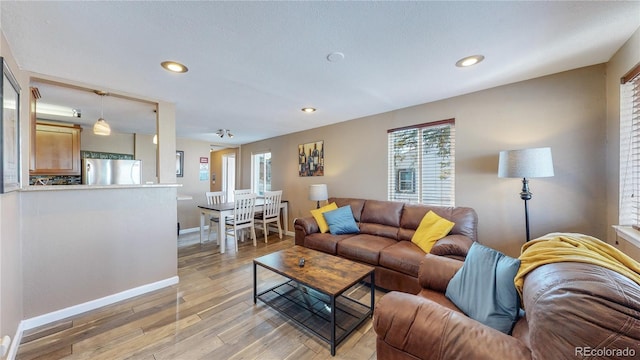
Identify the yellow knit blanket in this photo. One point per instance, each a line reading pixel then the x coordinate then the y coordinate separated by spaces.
pixel 571 247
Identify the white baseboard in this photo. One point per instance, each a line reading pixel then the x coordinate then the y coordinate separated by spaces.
pixel 206 228
pixel 94 304
pixel 191 230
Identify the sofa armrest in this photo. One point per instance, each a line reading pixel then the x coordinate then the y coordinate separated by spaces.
pixel 303 227
pixel 435 272
pixel 452 245
pixel 426 330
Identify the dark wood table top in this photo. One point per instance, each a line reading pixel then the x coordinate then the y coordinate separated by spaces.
pixel 329 274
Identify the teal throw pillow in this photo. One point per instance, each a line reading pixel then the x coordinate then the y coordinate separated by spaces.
pixel 341 221
pixel 483 288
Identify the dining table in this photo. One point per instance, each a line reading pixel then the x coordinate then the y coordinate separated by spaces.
pixel 224 210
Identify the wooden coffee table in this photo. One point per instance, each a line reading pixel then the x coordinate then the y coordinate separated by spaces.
pixel 313 295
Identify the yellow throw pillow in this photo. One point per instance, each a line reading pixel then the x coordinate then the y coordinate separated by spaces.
pixel 317 214
pixel 432 228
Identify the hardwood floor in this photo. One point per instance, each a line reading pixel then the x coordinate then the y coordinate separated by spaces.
pixel 209 315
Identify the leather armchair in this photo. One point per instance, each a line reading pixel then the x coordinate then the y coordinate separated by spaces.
pixel 572 309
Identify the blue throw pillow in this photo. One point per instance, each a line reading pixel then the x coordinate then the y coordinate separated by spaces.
pixel 341 221
pixel 483 288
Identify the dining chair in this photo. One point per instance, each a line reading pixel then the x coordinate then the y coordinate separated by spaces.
pixel 243 217
pixel 270 213
pixel 213 198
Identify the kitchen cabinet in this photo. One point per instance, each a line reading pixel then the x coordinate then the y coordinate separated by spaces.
pixel 57 150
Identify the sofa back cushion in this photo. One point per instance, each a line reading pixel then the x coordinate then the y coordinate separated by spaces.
pixel 573 308
pixel 356 205
pixel 465 219
pixel 381 218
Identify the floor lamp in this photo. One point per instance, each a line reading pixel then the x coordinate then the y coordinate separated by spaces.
pixel 318 193
pixel 525 164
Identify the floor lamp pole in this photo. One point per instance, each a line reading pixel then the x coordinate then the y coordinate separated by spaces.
pixel 525 195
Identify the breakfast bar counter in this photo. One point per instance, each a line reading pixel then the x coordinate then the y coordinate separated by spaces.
pixel 94 187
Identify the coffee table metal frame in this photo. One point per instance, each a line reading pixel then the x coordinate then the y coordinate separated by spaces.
pixel 309 310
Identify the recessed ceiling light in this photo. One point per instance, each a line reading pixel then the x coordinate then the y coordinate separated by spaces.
pixel 308 109
pixel 335 56
pixel 469 60
pixel 174 66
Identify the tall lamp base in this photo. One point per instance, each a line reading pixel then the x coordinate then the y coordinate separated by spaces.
pixel 525 195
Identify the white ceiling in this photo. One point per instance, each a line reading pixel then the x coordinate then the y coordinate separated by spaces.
pixel 254 65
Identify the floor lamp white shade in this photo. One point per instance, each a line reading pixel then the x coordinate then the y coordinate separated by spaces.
pixel 525 163
pixel 318 192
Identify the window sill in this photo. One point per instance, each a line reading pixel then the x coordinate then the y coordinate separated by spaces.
pixel 628 233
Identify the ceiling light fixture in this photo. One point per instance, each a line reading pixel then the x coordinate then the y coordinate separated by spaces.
pixel 222 132
pixel 101 127
pixel 174 66
pixel 308 109
pixel 469 60
pixel 56 110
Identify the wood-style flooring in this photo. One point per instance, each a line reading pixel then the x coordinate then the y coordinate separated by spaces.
pixel 210 314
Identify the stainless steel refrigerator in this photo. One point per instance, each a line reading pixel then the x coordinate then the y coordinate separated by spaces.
pixel 111 172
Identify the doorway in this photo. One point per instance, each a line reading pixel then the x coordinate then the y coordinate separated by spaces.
pixel 229 175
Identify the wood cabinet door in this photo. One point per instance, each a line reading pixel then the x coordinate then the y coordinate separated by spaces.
pixel 57 150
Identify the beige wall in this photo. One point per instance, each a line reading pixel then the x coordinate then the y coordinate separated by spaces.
pixel 188 214
pixel 11 293
pixel 82 245
pixel 565 111
pixel 624 60
pixel 146 151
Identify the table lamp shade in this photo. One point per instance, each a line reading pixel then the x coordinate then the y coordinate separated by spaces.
pixel 525 163
pixel 318 192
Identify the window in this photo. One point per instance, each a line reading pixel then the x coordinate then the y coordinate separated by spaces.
pixel 421 163
pixel 261 173
pixel 630 149
pixel 406 181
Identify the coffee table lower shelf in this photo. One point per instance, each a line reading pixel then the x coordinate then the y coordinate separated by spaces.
pixel 311 309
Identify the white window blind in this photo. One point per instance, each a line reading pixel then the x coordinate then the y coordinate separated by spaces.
pixel 630 149
pixel 422 163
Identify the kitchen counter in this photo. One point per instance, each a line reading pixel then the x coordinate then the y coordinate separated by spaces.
pixel 93 187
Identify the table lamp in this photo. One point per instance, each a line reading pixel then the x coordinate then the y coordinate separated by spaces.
pixel 525 164
pixel 318 192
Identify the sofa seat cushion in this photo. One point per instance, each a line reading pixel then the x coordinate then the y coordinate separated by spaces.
pixel 363 247
pixel 403 256
pixel 326 242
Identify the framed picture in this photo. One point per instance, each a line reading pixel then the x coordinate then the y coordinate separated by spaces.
pixel 10 131
pixel 179 163
pixel 311 159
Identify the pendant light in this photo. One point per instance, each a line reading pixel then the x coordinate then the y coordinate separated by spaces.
pixel 101 127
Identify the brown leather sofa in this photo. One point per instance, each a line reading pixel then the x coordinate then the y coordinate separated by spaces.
pixel 573 310
pixel 384 241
